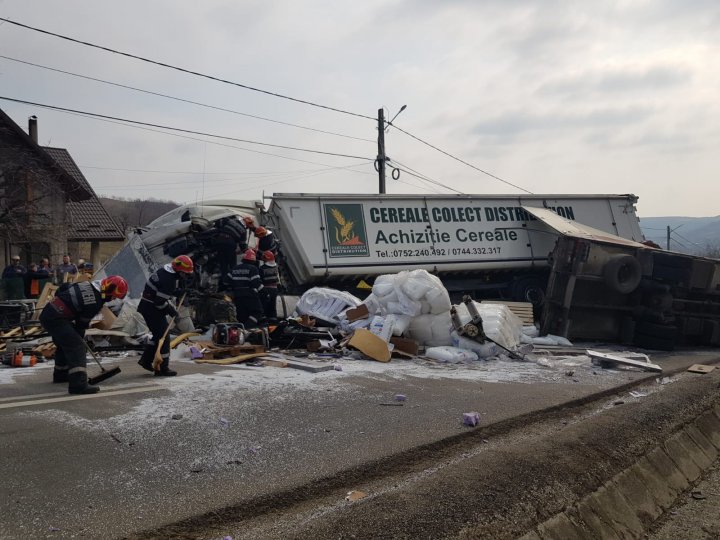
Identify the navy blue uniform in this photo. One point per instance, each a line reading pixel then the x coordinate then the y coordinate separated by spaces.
pixel 270 279
pixel 66 318
pixel 246 284
pixel 162 286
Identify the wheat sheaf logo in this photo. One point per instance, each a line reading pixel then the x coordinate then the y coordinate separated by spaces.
pixel 344 233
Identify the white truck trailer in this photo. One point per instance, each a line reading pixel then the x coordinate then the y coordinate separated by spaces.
pixel 473 242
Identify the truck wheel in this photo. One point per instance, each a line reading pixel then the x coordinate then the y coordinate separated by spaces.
pixel 529 289
pixel 622 273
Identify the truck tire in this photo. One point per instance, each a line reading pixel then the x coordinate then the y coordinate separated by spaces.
pixel 529 289
pixel 622 273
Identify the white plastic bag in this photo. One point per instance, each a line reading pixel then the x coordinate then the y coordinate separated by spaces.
pixel 450 354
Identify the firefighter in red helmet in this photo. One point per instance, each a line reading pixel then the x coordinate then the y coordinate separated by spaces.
pixel 270 279
pixel 163 287
pixel 66 318
pixel 246 284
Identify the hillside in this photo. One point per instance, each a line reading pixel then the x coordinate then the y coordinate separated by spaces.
pixel 129 213
pixel 697 235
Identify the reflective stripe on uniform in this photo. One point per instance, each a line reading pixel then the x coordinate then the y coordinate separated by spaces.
pixel 79 369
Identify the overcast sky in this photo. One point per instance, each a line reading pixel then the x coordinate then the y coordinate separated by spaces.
pixel 552 96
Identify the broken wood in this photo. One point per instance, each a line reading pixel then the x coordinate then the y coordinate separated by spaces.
pixel 232 360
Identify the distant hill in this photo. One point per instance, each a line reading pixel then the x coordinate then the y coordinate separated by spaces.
pixel 131 213
pixel 696 235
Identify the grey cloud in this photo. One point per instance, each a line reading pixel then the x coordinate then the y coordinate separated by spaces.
pixel 619 81
pixel 513 124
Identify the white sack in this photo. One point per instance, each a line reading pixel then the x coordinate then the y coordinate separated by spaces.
pixel 450 354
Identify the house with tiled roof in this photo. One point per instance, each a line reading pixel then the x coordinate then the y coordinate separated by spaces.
pixel 34 193
pixel 88 221
pixel 47 206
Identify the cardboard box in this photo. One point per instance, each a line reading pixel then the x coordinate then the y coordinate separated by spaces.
pixel 106 320
pixel 370 345
pixel 355 314
pixel 404 347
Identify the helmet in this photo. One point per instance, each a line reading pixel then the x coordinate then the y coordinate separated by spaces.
pixel 249 222
pixel 113 287
pixel 268 256
pixel 260 232
pixel 249 255
pixel 183 263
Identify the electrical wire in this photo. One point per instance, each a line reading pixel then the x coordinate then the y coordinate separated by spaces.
pixel 138 122
pixel 460 160
pixel 423 177
pixel 687 239
pixel 184 70
pixel 159 94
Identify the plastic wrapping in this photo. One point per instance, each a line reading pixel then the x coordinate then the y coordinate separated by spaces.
pixel 450 354
pixel 326 304
pixel 499 323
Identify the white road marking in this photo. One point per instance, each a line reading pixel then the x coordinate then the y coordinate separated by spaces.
pixel 70 397
pixel 64 392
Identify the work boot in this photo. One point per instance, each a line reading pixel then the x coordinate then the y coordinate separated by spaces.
pixel 79 384
pixel 145 363
pixel 60 376
pixel 165 370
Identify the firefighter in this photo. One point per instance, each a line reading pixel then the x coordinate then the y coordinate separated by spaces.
pixel 67 317
pixel 163 285
pixel 229 236
pixel 266 241
pixel 246 284
pixel 270 280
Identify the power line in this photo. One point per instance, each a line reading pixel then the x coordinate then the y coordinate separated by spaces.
pixel 64 109
pixel 686 239
pixel 216 143
pixel 417 174
pixel 184 70
pixel 159 94
pixel 460 160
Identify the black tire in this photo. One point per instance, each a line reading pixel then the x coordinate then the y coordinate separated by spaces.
pixel 662 331
pixel 529 289
pixel 622 273
pixel 654 342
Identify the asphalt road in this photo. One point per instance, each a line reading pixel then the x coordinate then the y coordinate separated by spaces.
pixel 146 453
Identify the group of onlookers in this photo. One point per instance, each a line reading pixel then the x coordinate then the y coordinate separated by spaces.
pixel 20 282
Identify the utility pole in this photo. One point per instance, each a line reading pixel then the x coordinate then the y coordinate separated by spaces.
pixel 668 237
pixel 380 162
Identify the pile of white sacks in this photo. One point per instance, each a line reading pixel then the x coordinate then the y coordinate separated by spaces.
pixel 416 305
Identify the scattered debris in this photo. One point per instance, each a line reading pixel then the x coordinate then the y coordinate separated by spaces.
pixel 392 404
pixel 471 419
pixel 618 402
pixel 697 494
pixel 370 345
pixel 176 416
pixel 224 421
pixel 115 438
pixel 400 397
pixel 637 394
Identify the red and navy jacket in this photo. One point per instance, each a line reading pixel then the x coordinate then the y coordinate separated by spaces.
pixel 245 279
pixel 79 301
pixel 270 274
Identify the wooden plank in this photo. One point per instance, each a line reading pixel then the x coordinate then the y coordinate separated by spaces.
pixel 232 360
pixel 47 294
pixel 523 310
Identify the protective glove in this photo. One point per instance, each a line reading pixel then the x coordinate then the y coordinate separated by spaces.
pixel 170 310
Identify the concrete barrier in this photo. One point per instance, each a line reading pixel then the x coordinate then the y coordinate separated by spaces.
pixel 626 505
